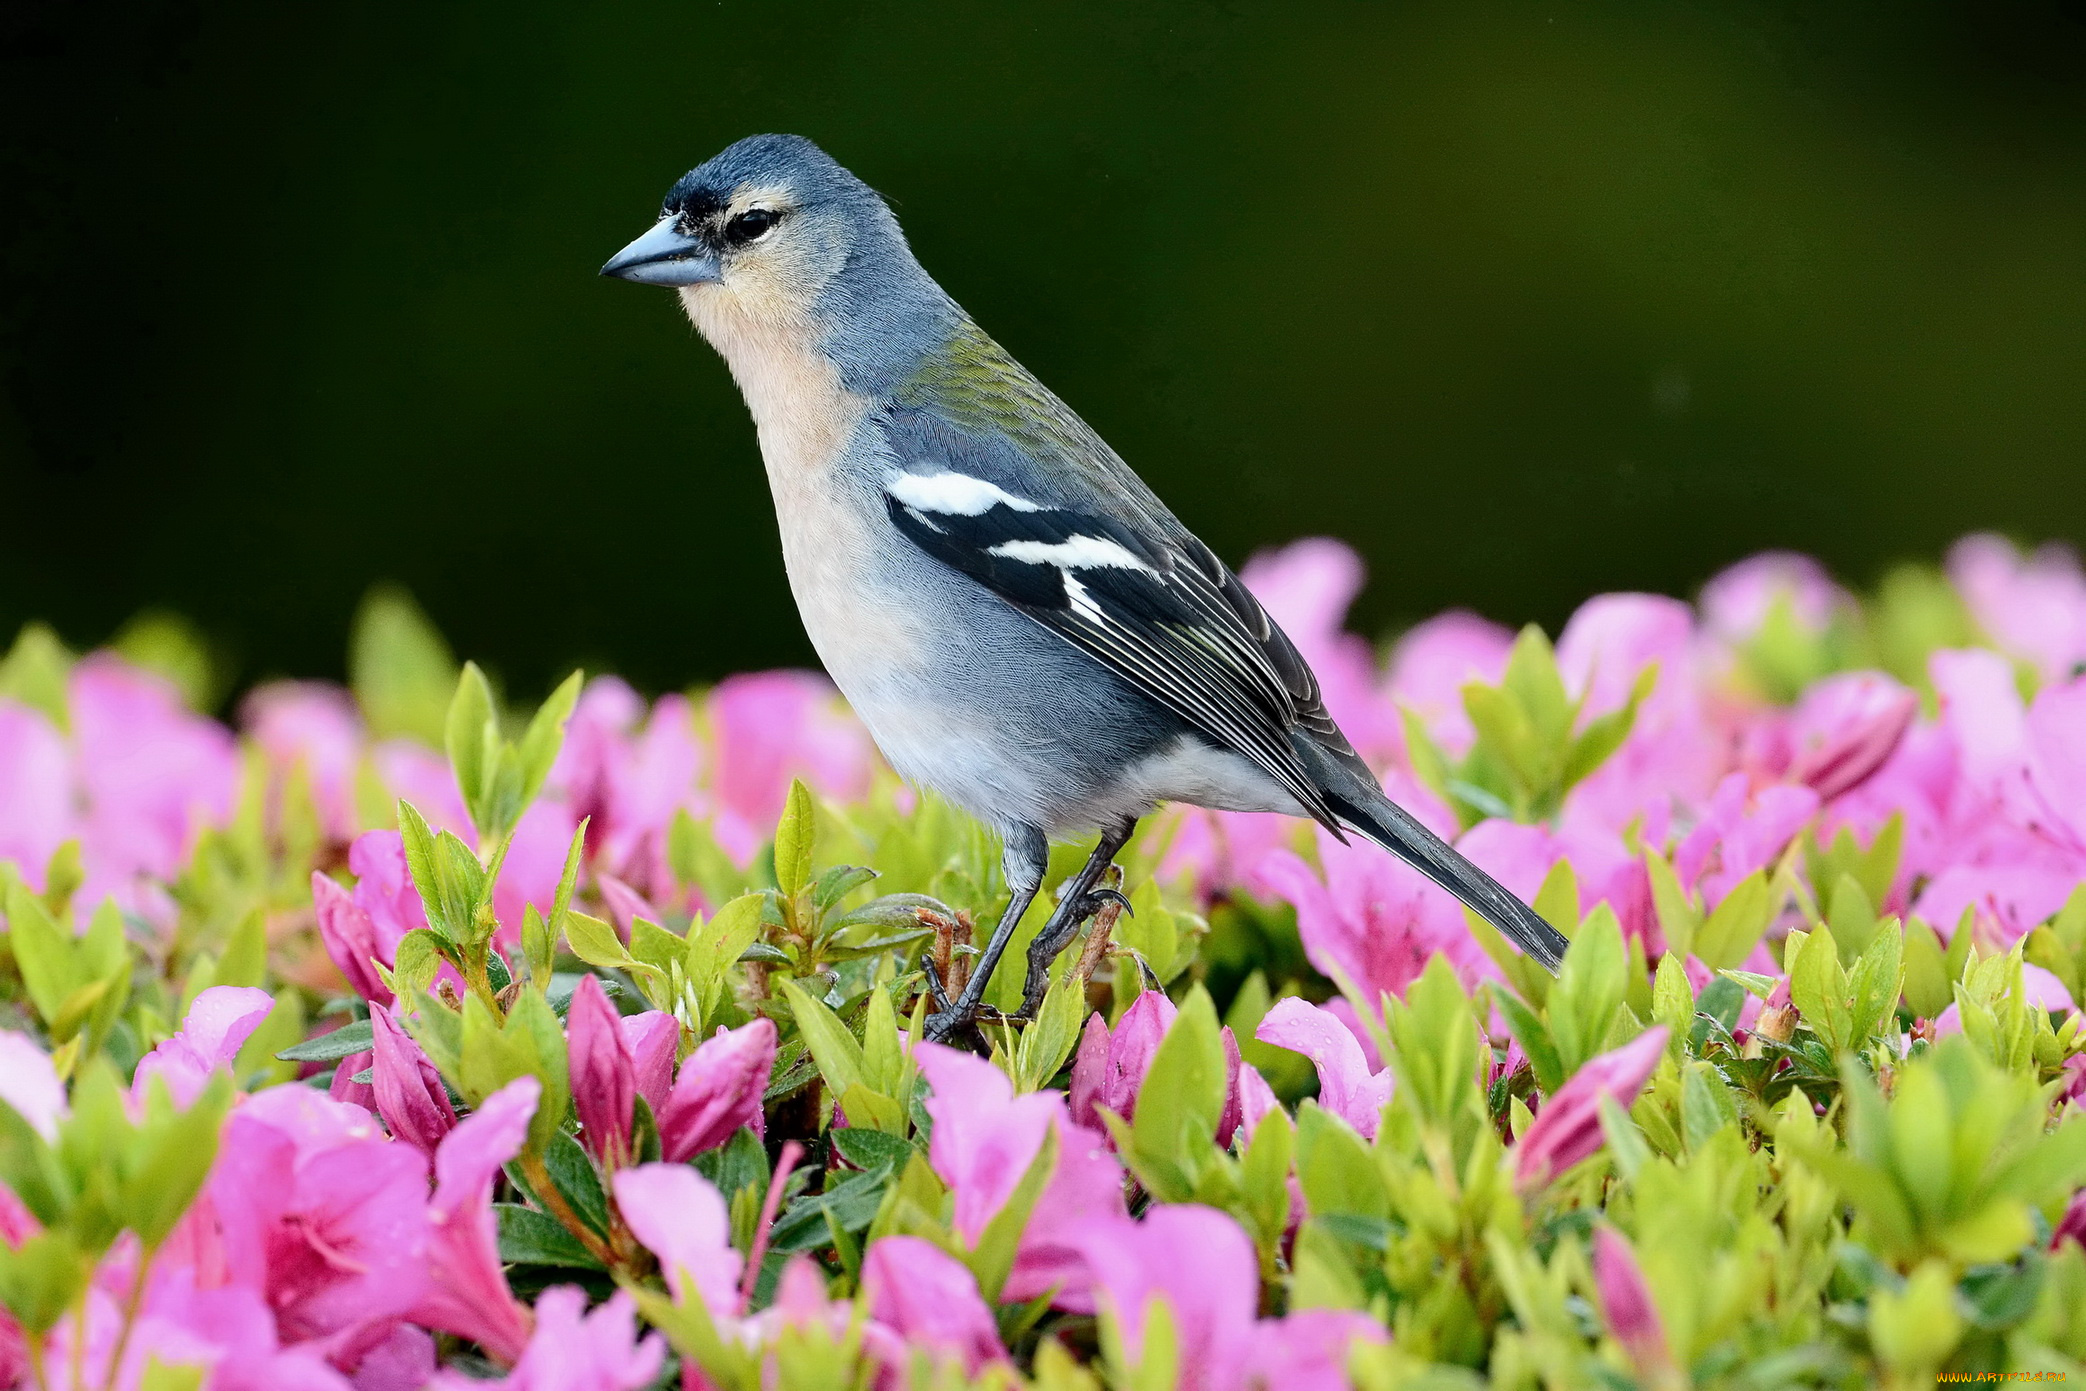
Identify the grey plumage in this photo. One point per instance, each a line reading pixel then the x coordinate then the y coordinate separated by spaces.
pixel 1023 626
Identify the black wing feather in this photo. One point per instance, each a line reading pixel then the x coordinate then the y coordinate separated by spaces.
pixel 1176 624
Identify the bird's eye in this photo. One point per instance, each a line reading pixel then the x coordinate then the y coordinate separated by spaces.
pixel 749 226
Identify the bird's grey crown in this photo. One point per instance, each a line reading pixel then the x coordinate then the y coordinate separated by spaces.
pixel 882 314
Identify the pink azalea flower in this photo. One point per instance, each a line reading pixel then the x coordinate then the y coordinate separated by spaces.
pixel 653 1038
pixel 1737 600
pixel 351 938
pixel 1217 849
pixel 1346 1086
pixel 682 1219
pixel 1626 1303
pixel 1741 831
pixel 1432 664
pixel 366 925
pixel 597 739
pixel 466 1290
pixel 718 1090
pixel 1372 922
pixel 1568 1128
pixel 2033 606
pixel 535 863
pixel 29 1083
pixel 1200 1265
pixel 320 1213
pixel 772 726
pixel 36 791
pixel 984 1140
pixel 1108 1070
pixel 344 1087
pixel 1109 1067
pixel 218 1024
pixel 415 773
pixel 2072 1226
pixel 1522 856
pixel 1846 728
pixel 928 1297
pixel 574 1350
pixel 604 1075
pixel 406 1088
pixel 226 1332
pixel 153 773
pixel 1669 754
pixel 1306 588
pixel 2056 738
pixel 648 778
pixel 316 727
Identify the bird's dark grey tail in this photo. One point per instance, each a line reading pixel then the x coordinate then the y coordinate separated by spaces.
pixel 1361 807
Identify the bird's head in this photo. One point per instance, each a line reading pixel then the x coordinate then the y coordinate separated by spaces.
pixel 768 224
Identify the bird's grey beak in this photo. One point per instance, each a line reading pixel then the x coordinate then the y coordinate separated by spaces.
pixel 664 256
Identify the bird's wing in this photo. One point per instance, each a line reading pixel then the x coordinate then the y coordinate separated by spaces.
pixel 1112 572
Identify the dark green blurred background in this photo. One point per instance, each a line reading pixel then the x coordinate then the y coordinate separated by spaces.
pixel 1524 300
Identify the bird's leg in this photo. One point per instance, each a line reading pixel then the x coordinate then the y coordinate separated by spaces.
pixel 1026 857
pixel 1080 900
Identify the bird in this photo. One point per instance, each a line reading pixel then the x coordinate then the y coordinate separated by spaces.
pixel 1022 625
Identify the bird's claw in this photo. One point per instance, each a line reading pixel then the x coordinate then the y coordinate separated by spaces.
pixel 1096 899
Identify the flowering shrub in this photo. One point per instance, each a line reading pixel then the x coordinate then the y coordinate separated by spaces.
pixel 585 1053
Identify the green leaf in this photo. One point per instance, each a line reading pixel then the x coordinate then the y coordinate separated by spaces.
pixel 165 1376
pixel 35 670
pixel 50 966
pixel 576 1180
pixel 401 670
pixel 169 1162
pixel 1050 1038
pixel 1264 1178
pixel 1705 1105
pixel 1182 1097
pixel 1877 979
pixel 1818 989
pixel 1557 901
pixel 471 735
pixel 41 1277
pixel 245 959
pixel 1626 1143
pixel 795 836
pixel 529 1237
pixel 849 1206
pixel 595 942
pixel 867 1107
pixel 838 1055
pixel 1852 919
pixel 1589 990
pixel 357 1036
pixel 1535 1040
pixel 1335 1169
pixel 1736 925
pixel 1605 734
pixel 873 1149
pixel 545 735
pixel 1434 1047
pixel 1679 918
pixel 30 1168
pixel 448 911
pixel 420 956
pixel 1929 983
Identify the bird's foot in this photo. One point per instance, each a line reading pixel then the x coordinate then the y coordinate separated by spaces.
pixel 1102 905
